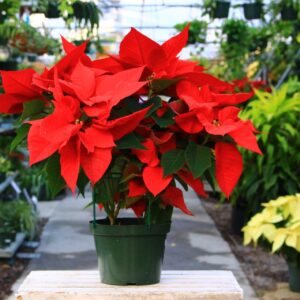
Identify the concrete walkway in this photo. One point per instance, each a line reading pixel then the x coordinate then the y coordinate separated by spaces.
pixel 194 243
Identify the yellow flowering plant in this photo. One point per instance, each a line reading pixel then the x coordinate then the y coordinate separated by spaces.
pixel 277 226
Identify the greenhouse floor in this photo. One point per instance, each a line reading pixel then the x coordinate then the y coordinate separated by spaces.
pixel 193 243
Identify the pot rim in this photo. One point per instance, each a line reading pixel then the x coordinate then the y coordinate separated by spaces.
pixel 128 229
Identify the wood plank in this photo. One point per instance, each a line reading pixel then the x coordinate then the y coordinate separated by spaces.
pixel 85 285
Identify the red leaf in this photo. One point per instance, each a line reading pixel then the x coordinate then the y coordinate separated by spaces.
pixel 181 67
pixel 96 163
pixel 100 110
pixel 189 93
pixel 168 145
pixel 229 112
pixel 67 63
pixel 229 166
pixel 70 162
pixel 19 83
pixel 174 197
pixel 122 126
pixel 174 45
pixel 109 64
pixel 149 155
pixel 11 104
pixel 196 184
pixel 189 122
pixel 136 188
pixel 161 137
pixel 94 137
pixel 68 47
pixel 39 147
pixel 58 127
pixel 57 90
pixel 245 137
pixel 221 129
pixel 119 86
pixel 162 110
pixel 231 99
pixel 83 81
pixel 201 79
pixel 143 131
pixel 139 207
pixel 43 81
pixel 220 125
pixel 138 50
pixel 154 179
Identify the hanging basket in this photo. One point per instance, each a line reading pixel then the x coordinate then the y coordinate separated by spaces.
pixel 252 10
pixel 221 10
pixel 130 253
pixel 52 11
pixel 289 13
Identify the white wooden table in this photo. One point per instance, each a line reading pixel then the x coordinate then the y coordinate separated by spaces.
pixel 174 285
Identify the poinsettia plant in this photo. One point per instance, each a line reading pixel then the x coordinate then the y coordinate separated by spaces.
pixel 134 125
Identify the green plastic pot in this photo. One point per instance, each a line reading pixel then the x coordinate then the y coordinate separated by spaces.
pixel 294 278
pixel 221 10
pixel 252 10
pixel 289 13
pixel 130 253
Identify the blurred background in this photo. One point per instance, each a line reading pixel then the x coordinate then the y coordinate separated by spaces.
pixel 252 43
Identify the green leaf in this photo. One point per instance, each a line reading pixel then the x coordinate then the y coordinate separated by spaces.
pixel 182 182
pixel 130 141
pixel 198 158
pixel 166 120
pixel 21 135
pixel 172 161
pixel 90 204
pixel 282 142
pixel 210 177
pixel 292 131
pixel 272 181
pixel 55 181
pixel 103 191
pixel 161 84
pixel 132 105
pixel 32 108
pixel 156 103
pixel 265 133
pixel 82 181
pixel 156 214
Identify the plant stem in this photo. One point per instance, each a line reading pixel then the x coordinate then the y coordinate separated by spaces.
pixel 117 209
pixel 112 220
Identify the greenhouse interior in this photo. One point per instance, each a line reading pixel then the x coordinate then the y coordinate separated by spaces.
pixel 146 149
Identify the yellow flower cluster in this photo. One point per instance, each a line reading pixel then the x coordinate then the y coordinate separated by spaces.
pixel 279 223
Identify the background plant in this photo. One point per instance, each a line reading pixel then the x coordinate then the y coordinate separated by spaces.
pixel 234 47
pixel 275 7
pixel 16 216
pixel 26 38
pixel 277 172
pixel 277 227
pixel 9 9
pixel 210 7
pixel 197 31
pixel 85 14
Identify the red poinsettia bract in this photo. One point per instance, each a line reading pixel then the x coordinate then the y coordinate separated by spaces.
pixel 166 119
